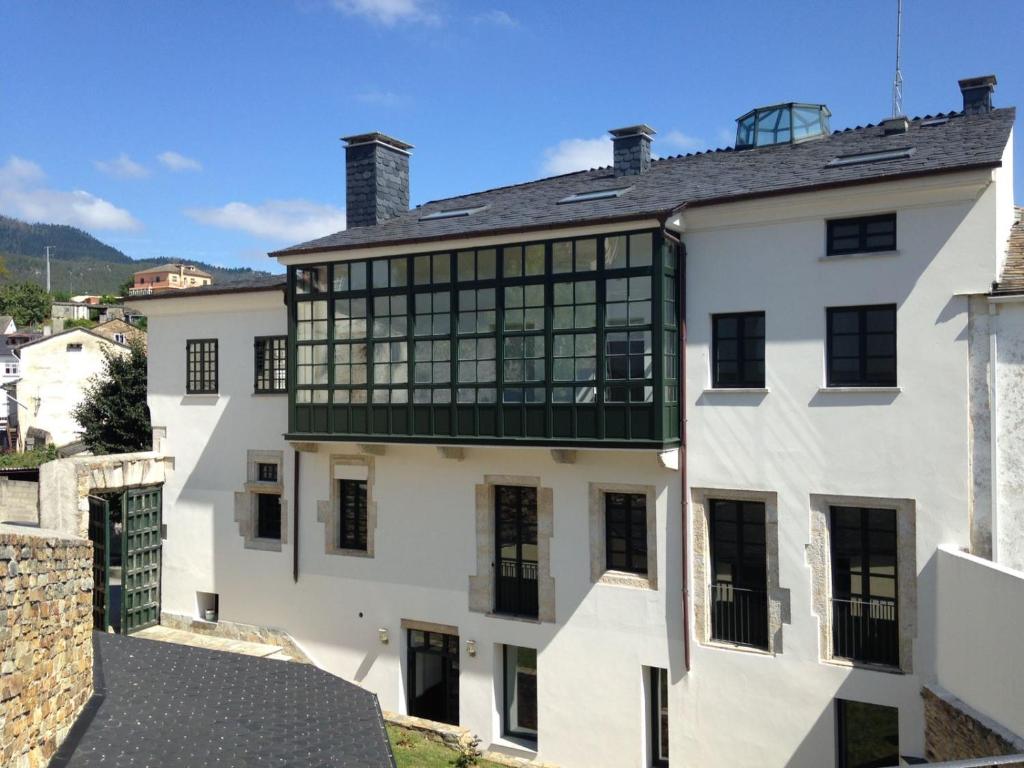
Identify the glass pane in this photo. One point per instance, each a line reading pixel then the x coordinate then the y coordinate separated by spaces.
pixel 521 690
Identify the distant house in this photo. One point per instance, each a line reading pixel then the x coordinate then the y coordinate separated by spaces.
pixel 7 325
pixel 169 277
pixel 97 313
pixel 8 365
pixel 54 371
pixel 87 298
pixel 120 331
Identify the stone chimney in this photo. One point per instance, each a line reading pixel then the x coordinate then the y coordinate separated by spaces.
pixel 632 149
pixel 977 93
pixel 376 178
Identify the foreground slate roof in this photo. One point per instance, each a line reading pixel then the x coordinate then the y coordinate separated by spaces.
pixel 248 285
pixel 943 143
pixel 1012 279
pixel 161 704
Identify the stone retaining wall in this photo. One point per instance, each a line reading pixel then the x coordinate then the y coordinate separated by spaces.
pixel 953 731
pixel 45 641
pixel 236 631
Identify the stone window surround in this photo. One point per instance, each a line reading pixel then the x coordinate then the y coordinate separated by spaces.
pixel 328 511
pixel 819 556
pixel 778 598
pixel 481 584
pixel 599 571
pixel 246 500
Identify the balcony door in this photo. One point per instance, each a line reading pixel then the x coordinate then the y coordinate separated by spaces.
pixel 516 550
pixel 864 589
pixel 739 573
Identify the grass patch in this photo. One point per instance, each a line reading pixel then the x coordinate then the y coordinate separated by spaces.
pixel 417 750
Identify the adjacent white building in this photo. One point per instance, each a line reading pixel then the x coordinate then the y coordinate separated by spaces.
pixel 54 371
pixel 646 463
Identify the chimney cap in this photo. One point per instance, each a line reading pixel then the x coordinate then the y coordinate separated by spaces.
pixel 633 130
pixel 977 82
pixel 376 137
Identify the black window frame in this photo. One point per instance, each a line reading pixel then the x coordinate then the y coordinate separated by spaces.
pixel 353 532
pixel 842 735
pixel 743 617
pixel 865 624
pixel 862 378
pixel 659 726
pixel 517 594
pixel 272 379
pixel 744 378
pixel 862 223
pixel 635 541
pixel 197 380
pixel 265 476
pixel 261 520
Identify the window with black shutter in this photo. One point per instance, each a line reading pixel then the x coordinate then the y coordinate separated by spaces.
pixel 864 234
pixel 738 350
pixel 862 346
pixel 352 523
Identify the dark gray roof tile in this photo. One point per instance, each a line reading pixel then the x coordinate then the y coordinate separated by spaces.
pixel 964 141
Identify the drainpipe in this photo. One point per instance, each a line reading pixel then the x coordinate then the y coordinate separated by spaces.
pixel 295 516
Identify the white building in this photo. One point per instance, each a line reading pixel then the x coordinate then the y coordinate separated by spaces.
pixel 54 372
pixel 451 464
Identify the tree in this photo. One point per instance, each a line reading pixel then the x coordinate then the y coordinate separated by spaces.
pixel 27 303
pixel 125 288
pixel 114 416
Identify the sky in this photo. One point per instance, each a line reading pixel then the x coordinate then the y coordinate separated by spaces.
pixel 210 130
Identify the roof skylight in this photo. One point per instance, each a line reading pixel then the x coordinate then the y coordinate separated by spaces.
pixel 871 157
pixel 454 213
pixel 600 194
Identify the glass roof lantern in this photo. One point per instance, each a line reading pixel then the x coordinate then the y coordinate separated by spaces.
pixel 782 124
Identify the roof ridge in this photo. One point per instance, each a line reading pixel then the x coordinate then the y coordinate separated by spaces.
pixel 512 186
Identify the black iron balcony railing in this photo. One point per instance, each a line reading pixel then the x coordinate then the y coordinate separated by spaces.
pixel 739 615
pixel 516 588
pixel 865 630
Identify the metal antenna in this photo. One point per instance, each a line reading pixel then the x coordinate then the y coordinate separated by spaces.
pixel 48 249
pixel 897 83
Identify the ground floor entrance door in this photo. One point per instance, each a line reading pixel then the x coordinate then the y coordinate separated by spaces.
pixel 124 527
pixel 433 687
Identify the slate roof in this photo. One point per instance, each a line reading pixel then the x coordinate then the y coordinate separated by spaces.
pixel 943 143
pixel 250 285
pixel 160 705
pixel 1012 279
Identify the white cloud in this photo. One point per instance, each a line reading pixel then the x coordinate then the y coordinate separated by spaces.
pixel 497 17
pixel 24 195
pixel 577 155
pixel 680 141
pixel 123 167
pixel 177 162
pixel 389 12
pixel 290 220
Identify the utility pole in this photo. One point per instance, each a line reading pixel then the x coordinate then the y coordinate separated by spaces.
pixel 48 249
pixel 897 83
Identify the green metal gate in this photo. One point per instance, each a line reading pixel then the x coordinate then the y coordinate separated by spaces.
pixel 99 515
pixel 142 554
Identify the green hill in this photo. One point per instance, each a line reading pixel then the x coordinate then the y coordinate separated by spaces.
pixel 80 263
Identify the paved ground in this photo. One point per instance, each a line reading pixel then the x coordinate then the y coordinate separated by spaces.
pixel 213 643
pixel 163 704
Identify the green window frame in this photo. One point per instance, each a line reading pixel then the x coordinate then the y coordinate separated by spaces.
pixel 525 341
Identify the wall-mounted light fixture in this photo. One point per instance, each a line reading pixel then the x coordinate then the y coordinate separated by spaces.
pixel 471 647
pixel 382 633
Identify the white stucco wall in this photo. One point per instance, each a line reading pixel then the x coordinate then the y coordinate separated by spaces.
pixel 1007 328
pixel 733 708
pixel 980 622
pixel 796 440
pixel 53 381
